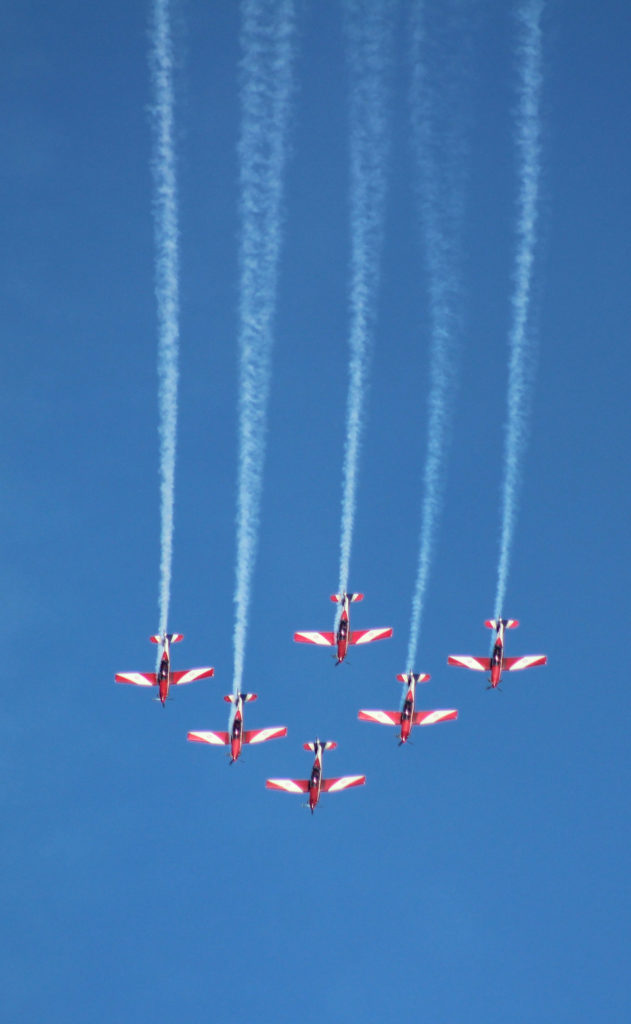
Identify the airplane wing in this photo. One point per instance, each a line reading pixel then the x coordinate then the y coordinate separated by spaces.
pixel 382 717
pixel 366 636
pixel 261 735
pixel 219 739
pixel 137 678
pixel 431 717
pixel 526 661
pixel 334 785
pixel 468 661
pixel 190 675
pixel 289 785
pixel 324 639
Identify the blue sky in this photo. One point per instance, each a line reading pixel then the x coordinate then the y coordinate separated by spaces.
pixel 481 875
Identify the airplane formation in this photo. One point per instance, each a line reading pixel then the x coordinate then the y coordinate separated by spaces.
pixel 341 637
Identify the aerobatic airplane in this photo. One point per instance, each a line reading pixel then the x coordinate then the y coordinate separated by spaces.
pixel 343 638
pixel 237 735
pixel 315 784
pixel 165 678
pixel 497 663
pixel 407 716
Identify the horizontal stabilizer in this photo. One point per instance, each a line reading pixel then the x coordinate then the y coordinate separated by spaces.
pixel 418 677
pixel 173 638
pixel 190 675
pixel 366 636
pixel 218 739
pixel 335 785
pixel 246 697
pixel 323 639
pixel 468 661
pixel 137 678
pixel 338 598
pixel 495 623
pixel 328 745
pixel 289 785
pixel 262 735
pixel 526 661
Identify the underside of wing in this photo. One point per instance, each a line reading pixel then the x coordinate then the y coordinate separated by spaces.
pixel 469 661
pixel 289 785
pixel 345 782
pixel 324 639
pixel 526 661
pixel 366 636
pixel 261 735
pixel 218 739
pixel 190 675
pixel 137 678
pixel 431 717
pixel 382 717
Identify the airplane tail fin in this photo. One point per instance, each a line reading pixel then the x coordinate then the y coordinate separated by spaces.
pixel 230 697
pixel 329 745
pixel 338 598
pixel 418 677
pixel 173 638
pixel 495 623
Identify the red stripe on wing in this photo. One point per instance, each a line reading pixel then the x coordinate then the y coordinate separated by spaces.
pixel 137 678
pixel 431 717
pixel 289 785
pixel 381 717
pixel 345 782
pixel 190 675
pixel 206 736
pixel 526 661
pixel 324 639
pixel 366 636
pixel 262 735
pixel 469 661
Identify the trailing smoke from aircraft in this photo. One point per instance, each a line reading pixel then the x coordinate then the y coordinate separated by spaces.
pixel 165 216
pixel 438 136
pixel 521 345
pixel 267 46
pixel 369 39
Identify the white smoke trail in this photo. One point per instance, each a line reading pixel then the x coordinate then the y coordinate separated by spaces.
pixel 165 216
pixel 528 133
pixel 267 43
pixel 369 32
pixel 435 104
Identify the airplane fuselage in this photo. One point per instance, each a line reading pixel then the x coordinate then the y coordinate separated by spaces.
pixel 407 716
pixel 236 736
pixel 497 657
pixel 164 675
pixel 315 782
pixel 496 662
pixel 342 636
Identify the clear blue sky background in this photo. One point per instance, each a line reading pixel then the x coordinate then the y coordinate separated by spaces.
pixel 482 873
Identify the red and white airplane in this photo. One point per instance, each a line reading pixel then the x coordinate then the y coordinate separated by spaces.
pixel 407 716
pixel 343 637
pixel 165 678
pixel 497 663
pixel 237 735
pixel 315 784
